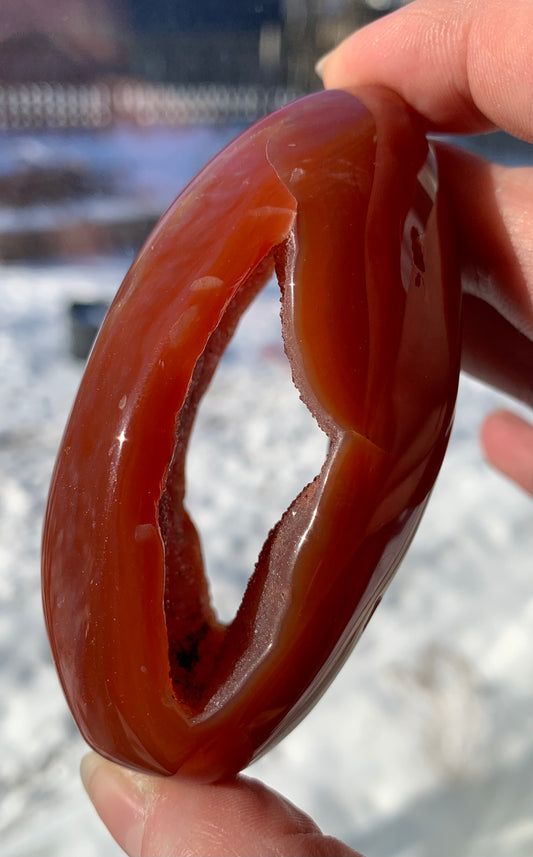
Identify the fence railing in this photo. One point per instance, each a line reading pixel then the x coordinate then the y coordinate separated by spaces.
pixel 98 105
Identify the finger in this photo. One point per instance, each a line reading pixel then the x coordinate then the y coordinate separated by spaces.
pixel 491 211
pixel 495 352
pixel 150 815
pixel 508 443
pixel 463 66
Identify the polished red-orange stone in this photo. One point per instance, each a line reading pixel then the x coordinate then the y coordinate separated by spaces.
pixel 338 194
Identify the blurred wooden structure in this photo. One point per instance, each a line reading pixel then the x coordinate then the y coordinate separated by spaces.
pixel 101 104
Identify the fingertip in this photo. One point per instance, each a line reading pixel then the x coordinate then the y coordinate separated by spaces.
pixel 168 815
pixel 338 68
pixel 507 441
pixel 489 434
pixel 322 63
pixel 434 54
pixel 118 799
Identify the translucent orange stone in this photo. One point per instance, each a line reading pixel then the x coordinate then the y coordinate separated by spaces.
pixel 338 194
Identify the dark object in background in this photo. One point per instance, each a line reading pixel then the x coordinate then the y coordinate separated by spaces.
pixel 85 320
pixel 38 184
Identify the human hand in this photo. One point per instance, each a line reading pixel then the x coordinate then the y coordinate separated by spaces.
pixel 467 67
pixel 151 815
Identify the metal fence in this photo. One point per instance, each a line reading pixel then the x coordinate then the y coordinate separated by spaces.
pixel 98 105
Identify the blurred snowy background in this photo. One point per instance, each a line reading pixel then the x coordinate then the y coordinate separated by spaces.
pixel 423 746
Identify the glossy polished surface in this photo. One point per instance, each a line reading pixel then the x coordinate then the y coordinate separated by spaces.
pixel 338 194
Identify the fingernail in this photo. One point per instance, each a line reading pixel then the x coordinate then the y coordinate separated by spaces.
pixel 117 799
pixel 321 63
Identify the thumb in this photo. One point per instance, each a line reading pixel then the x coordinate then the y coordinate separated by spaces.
pixel 150 815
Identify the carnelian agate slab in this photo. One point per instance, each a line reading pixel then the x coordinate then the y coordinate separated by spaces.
pixel 338 194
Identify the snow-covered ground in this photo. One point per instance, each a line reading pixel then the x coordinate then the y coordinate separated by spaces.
pixel 423 746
